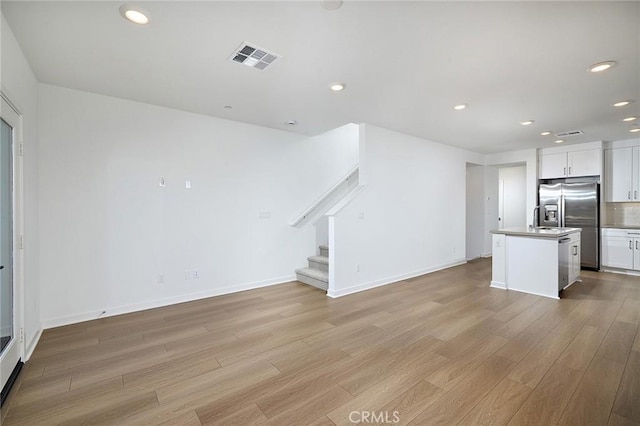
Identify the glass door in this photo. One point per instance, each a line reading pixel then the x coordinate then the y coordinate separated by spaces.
pixel 9 345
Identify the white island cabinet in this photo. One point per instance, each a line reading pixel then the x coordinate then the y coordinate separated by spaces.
pixel 536 261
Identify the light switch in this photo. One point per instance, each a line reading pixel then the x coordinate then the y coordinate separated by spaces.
pixel 161 182
pixel 361 215
pixel 264 215
pixel 187 184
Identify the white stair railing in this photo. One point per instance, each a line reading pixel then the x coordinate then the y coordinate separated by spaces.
pixel 312 209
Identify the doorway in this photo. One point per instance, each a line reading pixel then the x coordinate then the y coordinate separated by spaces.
pixel 10 314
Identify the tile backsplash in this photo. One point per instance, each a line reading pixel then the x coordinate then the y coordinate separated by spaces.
pixel 621 214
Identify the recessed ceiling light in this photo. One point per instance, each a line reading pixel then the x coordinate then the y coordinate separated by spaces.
pixel 331 4
pixel 629 118
pixel 547 133
pixel 337 87
pixel 527 122
pixel 635 129
pixel 228 107
pixel 622 103
pixel 460 107
pixel 134 14
pixel 559 141
pixel 292 123
pixel 601 66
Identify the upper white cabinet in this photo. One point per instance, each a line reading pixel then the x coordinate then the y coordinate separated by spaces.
pixel 553 165
pixel 586 162
pixel 621 174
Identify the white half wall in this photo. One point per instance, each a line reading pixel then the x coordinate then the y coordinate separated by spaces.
pixel 20 85
pixel 109 230
pixel 409 219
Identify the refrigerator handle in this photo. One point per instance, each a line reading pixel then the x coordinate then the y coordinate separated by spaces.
pixel 561 221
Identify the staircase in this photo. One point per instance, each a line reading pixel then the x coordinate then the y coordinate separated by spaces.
pixel 317 274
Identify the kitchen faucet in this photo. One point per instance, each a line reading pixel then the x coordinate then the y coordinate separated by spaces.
pixel 536 217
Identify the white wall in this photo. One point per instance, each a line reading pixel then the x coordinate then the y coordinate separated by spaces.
pixel 475 211
pixel 515 196
pixel 108 229
pixel 410 218
pixel 19 83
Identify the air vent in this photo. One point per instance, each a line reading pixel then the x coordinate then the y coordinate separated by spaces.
pixel 569 133
pixel 253 56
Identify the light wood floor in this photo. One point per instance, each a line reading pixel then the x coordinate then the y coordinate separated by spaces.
pixel 443 348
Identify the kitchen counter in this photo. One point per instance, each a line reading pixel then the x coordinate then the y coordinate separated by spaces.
pixel 621 226
pixel 536 261
pixel 537 232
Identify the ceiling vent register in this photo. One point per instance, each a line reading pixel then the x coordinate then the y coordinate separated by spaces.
pixel 253 56
pixel 569 133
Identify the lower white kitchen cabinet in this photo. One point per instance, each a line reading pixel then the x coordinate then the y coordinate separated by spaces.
pixel 574 258
pixel 621 248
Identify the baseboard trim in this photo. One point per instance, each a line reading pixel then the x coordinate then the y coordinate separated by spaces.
pixel 485 255
pixel 158 303
pixel 498 284
pixel 535 294
pixel 390 280
pixel 619 271
pixel 28 351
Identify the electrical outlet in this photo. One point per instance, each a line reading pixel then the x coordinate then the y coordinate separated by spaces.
pixel 358 268
pixel 188 274
pixel 161 279
pixel 196 274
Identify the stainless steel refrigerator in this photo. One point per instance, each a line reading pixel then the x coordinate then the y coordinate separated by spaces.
pixel 574 205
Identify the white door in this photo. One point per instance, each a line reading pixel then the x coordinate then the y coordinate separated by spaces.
pixel 10 319
pixel 500 204
pixel 635 196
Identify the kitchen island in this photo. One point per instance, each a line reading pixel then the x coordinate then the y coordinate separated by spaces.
pixel 540 261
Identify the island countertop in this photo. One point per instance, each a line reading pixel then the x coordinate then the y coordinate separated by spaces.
pixel 523 231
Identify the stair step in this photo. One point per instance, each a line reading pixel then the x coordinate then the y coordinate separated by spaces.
pixel 324 250
pixel 323 247
pixel 319 262
pixel 319 259
pixel 314 273
pixel 313 277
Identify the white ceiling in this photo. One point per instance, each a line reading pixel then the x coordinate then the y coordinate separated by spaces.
pixel 405 63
